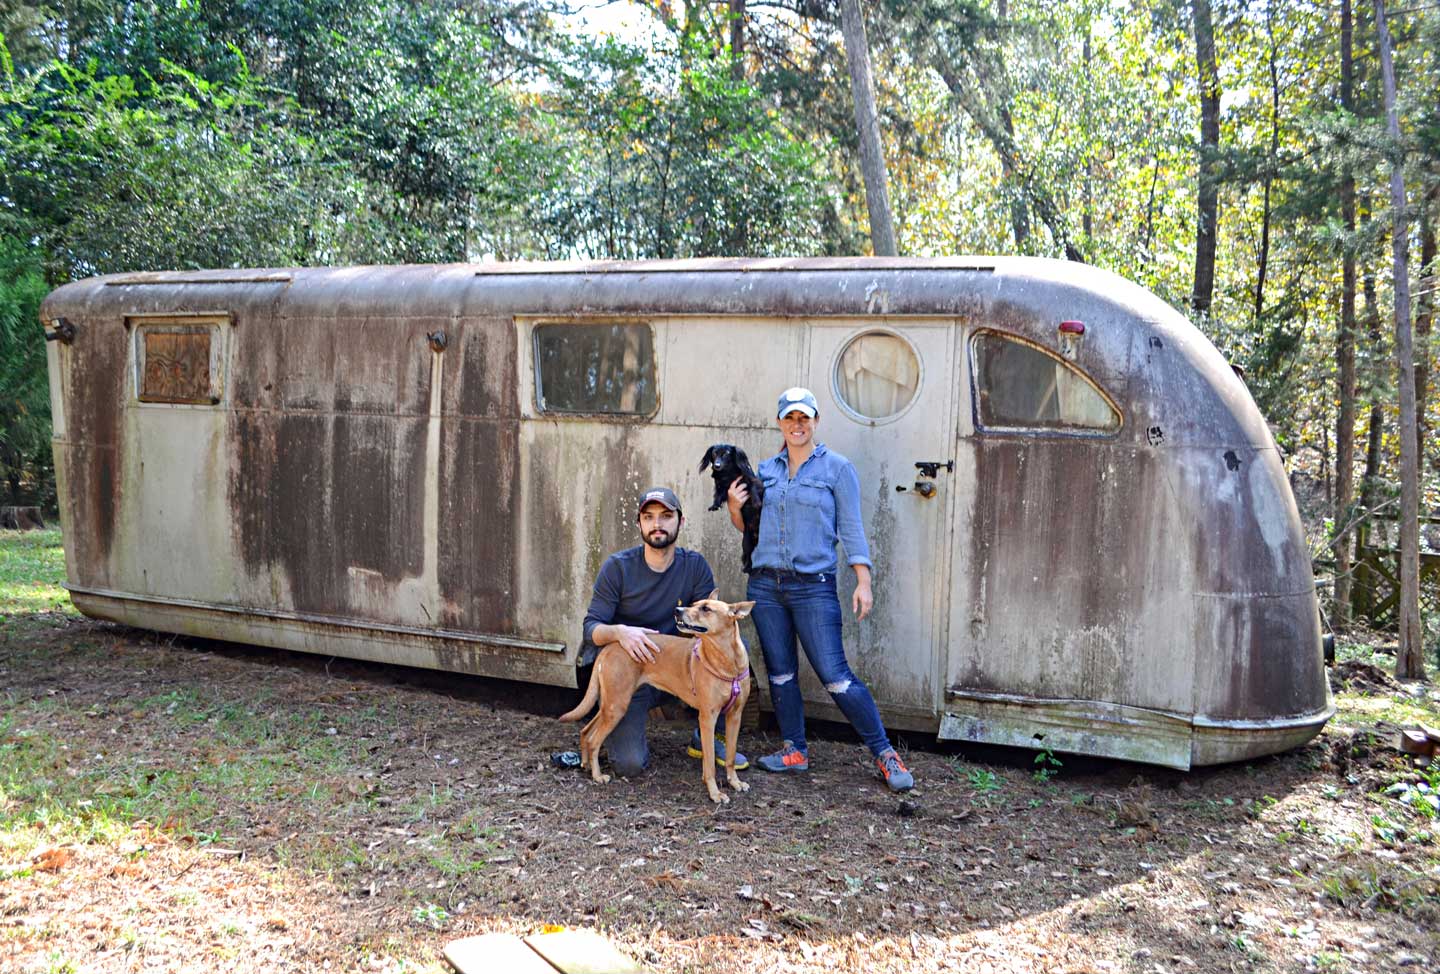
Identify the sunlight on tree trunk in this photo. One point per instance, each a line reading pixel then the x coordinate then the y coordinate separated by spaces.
pixel 1424 319
pixel 1208 195
pixel 1345 350
pixel 867 123
pixel 1409 657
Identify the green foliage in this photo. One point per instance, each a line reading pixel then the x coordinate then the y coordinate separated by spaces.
pixel 118 173
pixel 1047 765
pixel 670 156
pixel 984 781
pixel 25 464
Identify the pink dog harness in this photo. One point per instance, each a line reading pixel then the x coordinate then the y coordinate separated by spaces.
pixel 735 681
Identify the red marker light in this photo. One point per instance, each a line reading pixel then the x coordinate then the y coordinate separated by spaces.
pixel 1072 327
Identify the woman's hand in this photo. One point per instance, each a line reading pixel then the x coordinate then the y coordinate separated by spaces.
pixel 735 498
pixel 862 601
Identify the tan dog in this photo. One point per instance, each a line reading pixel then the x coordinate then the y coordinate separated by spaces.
pixel 711 673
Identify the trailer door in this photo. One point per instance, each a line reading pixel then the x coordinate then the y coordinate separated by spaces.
pixel 885 391
pixel 1061 523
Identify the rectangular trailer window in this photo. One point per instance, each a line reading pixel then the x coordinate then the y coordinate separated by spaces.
pixel 1020 386
pixel 178 361
pixel 595 368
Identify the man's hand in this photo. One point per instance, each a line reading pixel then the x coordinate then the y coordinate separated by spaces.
pixel 636 641
pixel 735 498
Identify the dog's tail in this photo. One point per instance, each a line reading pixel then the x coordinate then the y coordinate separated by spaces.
pixel 592 694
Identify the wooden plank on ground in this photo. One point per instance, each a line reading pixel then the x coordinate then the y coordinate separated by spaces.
pixel 493 953
pixel 582 952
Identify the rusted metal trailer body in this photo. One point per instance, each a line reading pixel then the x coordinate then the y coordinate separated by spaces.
pixel 1084 538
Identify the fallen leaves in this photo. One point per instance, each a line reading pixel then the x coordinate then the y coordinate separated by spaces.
pixel 52 860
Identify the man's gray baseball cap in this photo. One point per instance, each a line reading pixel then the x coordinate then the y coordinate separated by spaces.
pixel 797 398
pixel 660 495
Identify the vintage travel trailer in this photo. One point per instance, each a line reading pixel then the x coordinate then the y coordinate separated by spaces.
pixel 1083 535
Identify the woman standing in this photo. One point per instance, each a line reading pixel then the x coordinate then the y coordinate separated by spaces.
pixel 812 498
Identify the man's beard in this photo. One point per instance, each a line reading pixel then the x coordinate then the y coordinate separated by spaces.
pixel 661 543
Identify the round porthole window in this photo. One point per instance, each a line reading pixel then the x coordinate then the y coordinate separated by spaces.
pixel 877 375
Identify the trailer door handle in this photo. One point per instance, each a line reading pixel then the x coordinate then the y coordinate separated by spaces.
pixel 929 468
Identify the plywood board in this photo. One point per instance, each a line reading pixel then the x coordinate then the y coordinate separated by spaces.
pixel 493 953
pixel 582 952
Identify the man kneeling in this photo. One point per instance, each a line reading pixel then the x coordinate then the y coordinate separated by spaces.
pixel 635 595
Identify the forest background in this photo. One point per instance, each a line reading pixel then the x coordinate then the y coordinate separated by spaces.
pixel 1230 155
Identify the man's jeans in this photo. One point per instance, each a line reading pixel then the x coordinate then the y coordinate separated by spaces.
pixel 791 604
pixel 627 746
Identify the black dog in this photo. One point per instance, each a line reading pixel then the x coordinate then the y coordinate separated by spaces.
pixel 728 463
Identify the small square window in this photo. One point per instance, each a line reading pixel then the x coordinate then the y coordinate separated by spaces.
pixel 595 368
pixel 178 362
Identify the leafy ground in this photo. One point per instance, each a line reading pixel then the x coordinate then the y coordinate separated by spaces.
pixel 172 805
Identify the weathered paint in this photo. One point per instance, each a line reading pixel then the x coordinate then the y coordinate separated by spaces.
pixel 364 488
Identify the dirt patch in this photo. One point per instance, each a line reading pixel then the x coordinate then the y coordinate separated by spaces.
pixel 184 806
pixel 1358 676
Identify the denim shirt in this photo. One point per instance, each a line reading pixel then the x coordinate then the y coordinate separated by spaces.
pixel 802 518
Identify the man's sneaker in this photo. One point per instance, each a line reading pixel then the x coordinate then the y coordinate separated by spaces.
pixel 897 776
pixel 698 753
pixel 788 758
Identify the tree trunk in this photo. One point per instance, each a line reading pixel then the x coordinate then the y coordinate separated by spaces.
pixel 1087 219
pixel 1208 195
pixel 1424 318
pixel 737 40
pixel 1410 657
pixel 1003 142
pixel 1370 479
pixel 867 123
pixel 1270 164
pixel 1019 209
pixel 1345 351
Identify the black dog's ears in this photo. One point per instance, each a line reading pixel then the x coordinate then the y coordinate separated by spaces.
pixel 741 458
pixel 708 459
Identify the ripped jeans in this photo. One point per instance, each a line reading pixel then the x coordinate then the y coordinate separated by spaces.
pixel 790 604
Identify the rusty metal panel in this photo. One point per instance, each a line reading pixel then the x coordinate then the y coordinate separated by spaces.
pixel 477 465
pixel 1065 580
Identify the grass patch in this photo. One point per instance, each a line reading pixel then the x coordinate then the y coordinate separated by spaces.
pixel 32 568
pixel 221 757
pixel 1356 710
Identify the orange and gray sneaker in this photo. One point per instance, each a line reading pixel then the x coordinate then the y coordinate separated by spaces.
pixel 897 776
pixel 788 758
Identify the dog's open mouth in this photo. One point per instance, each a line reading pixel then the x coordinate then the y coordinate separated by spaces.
pixel 688 628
